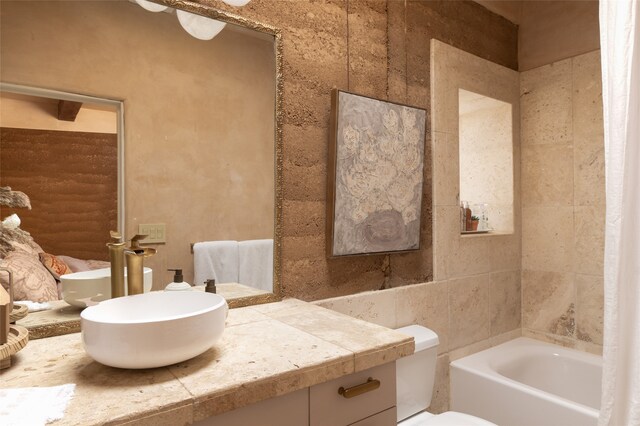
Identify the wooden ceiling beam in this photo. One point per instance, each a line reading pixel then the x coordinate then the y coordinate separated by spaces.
pixel 68 110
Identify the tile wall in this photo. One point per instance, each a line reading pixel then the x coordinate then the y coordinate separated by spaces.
pixel 466 314
pixel 563 202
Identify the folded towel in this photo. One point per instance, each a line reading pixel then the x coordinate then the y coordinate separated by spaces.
pixel 256 264
pixel 34 306
pixel 217 260
pixel 34 406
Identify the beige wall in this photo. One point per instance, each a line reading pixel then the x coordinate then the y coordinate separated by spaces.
pixel 554 30
pixel 199 116
pixel 376 48
pixel 563 202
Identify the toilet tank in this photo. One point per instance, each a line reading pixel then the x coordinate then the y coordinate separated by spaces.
pixel 415 374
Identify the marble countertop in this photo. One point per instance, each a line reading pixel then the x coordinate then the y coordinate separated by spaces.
pixel 266 351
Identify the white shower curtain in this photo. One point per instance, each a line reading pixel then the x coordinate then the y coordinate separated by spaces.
pixel 620 44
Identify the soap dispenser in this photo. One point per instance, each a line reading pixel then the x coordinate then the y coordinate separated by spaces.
pixel 178 283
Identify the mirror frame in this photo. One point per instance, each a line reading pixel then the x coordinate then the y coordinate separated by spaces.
pixel 73 326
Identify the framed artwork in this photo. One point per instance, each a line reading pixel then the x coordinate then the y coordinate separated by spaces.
pixel 375 176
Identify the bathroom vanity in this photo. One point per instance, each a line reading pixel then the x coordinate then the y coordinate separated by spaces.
pixel 282 363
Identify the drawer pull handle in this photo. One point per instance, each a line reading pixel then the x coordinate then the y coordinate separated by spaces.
pixel 368 386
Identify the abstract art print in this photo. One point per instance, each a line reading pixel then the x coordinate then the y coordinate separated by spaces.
pixel 375 172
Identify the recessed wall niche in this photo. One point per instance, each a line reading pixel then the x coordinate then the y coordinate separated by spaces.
pixel 486 161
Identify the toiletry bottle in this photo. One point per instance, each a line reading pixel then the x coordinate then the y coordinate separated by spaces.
pixel 210 286
pixel 178 283
pixel 466 216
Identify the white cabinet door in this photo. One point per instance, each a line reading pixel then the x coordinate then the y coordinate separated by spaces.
pixel 330 407
pixel 291 409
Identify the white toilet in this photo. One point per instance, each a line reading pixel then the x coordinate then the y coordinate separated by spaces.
pixel 415 377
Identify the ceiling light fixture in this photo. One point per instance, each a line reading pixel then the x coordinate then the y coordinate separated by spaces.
pixel 198 26
pixel 151 6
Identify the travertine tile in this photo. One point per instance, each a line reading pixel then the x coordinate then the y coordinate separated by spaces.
pixel 99 389
pixel 377 307
pixel 440 397
pixel 177 416
pixel 240 316
pixel 589 308
pixel 444 93
pixel 563 341
pixel 468 255
pixel 505 253
pixel 484 344
pixel 469 317
pixel 446 173
pixel 548 302
pixel 446 232
pixel 547 175
pixel 546 104
pixel 505 297
pixel 589 180
pixel 547 238
pixel 427 305
pixel 238 372
pixel 373 343
pixel 588 125
pixel 589 240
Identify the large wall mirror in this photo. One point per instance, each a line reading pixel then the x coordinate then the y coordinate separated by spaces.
pixel 198 136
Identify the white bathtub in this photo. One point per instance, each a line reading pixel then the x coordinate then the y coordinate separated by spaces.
pixel 526 382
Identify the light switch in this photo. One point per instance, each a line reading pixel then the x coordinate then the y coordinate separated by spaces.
pixel 156 233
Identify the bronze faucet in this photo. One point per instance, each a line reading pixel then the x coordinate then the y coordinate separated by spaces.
pixel 135 255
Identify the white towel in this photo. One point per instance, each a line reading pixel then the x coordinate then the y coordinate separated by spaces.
pixel 34 306
pixel 217 260
pixel 256 264
pixel 34 406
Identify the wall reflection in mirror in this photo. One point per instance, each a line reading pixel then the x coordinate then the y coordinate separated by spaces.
pixel 198 150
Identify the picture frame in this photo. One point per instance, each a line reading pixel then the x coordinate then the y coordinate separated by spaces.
pixel 375 176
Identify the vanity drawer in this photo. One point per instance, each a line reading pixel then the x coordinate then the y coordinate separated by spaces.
pixel 386 418
pixel 330 407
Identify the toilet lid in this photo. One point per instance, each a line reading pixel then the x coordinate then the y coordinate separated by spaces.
pixel 450 418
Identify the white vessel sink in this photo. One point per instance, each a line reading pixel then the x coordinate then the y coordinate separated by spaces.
pixel 88 288
pixel 153 329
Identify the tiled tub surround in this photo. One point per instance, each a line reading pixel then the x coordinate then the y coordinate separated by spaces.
pixel 266 351
pixel 563 202
pixel 469 315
